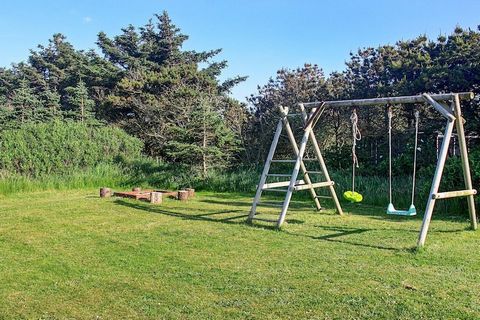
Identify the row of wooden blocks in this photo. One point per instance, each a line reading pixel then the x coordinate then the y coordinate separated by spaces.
pixel 152 196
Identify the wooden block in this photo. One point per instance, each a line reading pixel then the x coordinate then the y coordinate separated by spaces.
pixel 105 192
pixel 156 197
pixel 182 195
pixel 191 192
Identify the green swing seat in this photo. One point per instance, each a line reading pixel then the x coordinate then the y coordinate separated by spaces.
pixel 410 212
pixel 352 196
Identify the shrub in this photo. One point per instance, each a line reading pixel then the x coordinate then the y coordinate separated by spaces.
pixel 62 147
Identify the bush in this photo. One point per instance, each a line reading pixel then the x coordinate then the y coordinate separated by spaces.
pixel 63 147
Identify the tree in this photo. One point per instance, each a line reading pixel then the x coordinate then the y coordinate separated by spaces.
pixel 164 97
pixel 289 88
pixel 80 106
pixel 25 103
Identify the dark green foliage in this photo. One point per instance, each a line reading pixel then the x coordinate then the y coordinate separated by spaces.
pixel 166 99
pixel 449 64
pixel 80 106
pixel 61 147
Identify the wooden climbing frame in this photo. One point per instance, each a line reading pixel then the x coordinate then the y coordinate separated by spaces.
pixel 448 105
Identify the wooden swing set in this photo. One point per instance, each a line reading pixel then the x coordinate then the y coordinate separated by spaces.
pixel 448 105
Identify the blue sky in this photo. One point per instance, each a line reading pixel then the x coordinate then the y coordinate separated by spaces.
pixel 257 37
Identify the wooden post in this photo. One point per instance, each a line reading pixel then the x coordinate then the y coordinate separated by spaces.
pixel 323 166
pixel 191 192
pixel 105 192
pixel 182 195
pixel 435 183
pixel 266 168
pixel 300 151
pixel 293 142
pixel 465 165
pixel 156 197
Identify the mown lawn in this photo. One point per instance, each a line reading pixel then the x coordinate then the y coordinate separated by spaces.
pixel 73 255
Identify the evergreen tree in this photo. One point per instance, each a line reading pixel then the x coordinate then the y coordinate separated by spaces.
pixel 80 106
pixel 157 98
pixel 25 103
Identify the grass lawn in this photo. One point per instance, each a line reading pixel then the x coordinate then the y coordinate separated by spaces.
pixel 73 255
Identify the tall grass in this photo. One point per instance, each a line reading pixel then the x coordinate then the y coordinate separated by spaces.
pixel 101 175
pixel 150 174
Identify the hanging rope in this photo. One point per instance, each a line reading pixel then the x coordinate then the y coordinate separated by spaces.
pixel 417 116
pixel 356 136
pixel 390 116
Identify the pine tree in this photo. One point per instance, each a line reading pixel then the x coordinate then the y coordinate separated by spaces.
pixel 157 99
pixel 79 103
pixel 52 104
pixel 25 103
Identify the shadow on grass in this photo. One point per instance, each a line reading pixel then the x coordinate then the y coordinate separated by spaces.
pixel 345 232
pixel 340 234
pixel 208 216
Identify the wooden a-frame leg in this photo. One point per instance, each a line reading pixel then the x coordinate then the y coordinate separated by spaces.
pixel 308 181
pixel 465 164
pixel 323 166
pixel 435 183
pixel 266 168
pixel 294 176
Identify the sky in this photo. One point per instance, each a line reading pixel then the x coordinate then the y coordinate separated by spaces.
pixel 257 37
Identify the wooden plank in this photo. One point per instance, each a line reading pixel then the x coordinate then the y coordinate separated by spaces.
pixel 454 194
pixel 390 100
pixel 313 185
pixel 279 175
pixel 324 197
pixel 276 184
pixel 282 161
pixel 276 190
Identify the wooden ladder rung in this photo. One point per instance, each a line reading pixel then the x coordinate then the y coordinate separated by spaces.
pixel 276 184
pixel 282 160
pixel 278 175
pixel 276 190
pixel 323 197
pixel 454 194
pixel 313 185
pixel 314 172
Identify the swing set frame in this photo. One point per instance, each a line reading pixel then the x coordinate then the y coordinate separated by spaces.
pixel 447 104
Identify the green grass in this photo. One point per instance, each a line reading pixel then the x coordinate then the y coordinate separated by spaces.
pixel 69 254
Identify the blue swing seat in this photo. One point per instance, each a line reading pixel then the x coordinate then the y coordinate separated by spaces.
pixel 412 211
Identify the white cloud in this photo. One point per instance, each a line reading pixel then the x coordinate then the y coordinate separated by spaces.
pixel 87 19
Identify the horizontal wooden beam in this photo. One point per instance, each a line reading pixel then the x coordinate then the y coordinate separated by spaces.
pixel 390 100
pixel 439 107
pixel 454 194
pixel 276 184
pixel 313 185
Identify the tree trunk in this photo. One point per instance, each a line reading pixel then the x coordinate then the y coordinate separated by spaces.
pixel 182 195
pixel 105 192
pixel 82 111
pixel 204 146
